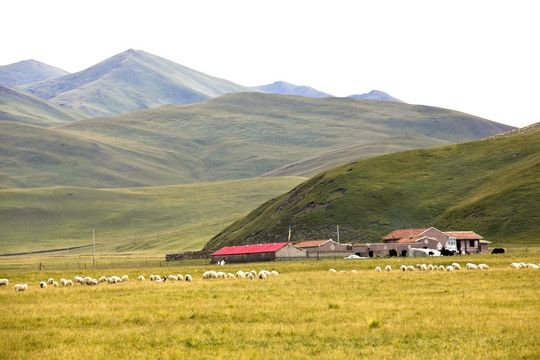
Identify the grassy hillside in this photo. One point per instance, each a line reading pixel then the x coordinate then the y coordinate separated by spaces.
pixel 234 136
pixel 163 219
pixel 130 81
pixel 489 186
pixel 24 108
pixel 27 72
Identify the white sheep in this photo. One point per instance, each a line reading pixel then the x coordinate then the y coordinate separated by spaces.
pixel 50 281
pixel 332 271
pixel 63 282
pixel 250 276
pixel 515 266
pixel 69 283
pixel 152 277
pixel 449 268
pixel 378 269
pixel 179 277
pixel 275 273
pixel 532 266
pixel 102 279
pixel 221 275
pixel 188 278
pixel 21 287
pixel 55 283
pixel 125 278
pixel 172 278
pixel 4 282
pixel 471 266
pixel 353 271
pixel 410 268
pixel 403 268
pixel 141 278
pixel 483 267
pixel 456 266
pixel 523 265
pixel 240 274
pixel 265 272
pixel 441 267
pixel 435 268
pixel 78 279
pixel 262 275
pixel 430 267
pixel 43 284
pixel 423 267
pixel 230 276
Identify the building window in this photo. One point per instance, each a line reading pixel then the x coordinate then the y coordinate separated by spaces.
pixel 471 243
pixel 451 244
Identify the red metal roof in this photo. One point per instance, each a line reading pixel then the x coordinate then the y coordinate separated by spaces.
pixel 250 249
pixel 404 233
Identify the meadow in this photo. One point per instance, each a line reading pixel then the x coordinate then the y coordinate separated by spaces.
pixel 305 312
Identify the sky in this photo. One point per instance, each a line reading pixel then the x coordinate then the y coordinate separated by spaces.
pixel 475 56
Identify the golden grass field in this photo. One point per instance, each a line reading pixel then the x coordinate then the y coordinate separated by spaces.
pixel 305 312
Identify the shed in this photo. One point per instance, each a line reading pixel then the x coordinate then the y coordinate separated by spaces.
pixel 325 248
pixel 258 252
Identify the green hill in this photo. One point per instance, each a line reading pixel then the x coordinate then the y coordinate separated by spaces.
pixel 21 107
pixel 27 72
pixel 490 186
pixel 153 219
pixel 130 81
pixel 234 136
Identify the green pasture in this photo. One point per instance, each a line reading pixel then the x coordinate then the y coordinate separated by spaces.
pixel 305 312
pixel 156 219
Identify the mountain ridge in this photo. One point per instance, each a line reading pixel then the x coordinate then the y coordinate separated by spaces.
pixel 27 72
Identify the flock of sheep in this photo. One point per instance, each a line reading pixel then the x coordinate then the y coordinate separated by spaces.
pixel 449 268
pixel 103 279
pixel 262 275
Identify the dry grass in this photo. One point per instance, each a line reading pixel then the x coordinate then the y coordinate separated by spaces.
pixel 305 312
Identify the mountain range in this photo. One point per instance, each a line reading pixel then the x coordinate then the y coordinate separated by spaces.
pixel 27 72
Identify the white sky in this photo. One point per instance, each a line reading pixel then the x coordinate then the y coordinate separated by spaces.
pixel 479 57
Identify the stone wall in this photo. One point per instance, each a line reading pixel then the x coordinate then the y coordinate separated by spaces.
pixel 188 255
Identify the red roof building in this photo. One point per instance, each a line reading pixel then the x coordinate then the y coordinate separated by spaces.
pixel 258 252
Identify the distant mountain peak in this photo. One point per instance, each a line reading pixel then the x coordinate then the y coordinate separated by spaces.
pixel 376 95
pixel 285 88
pixel 27 72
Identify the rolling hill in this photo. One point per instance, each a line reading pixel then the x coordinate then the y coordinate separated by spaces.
pixel 285 88
pixel 129 81
pixel 152 219
pixel 235 136
pixel 21 107
pixel 490 186
pixel 27 72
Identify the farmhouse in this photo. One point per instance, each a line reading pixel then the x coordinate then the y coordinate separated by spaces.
pixel 324 248
pixel 400 242
pixel 258 252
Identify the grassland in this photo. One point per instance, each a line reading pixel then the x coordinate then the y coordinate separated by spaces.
pixel 231 137
pixel 305 312
pixel 166 219
pixel 490 186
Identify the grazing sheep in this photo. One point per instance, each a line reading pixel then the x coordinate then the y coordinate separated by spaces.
pixel 141 278
pixel 230 276
pixel 471 266
pixel 441 267
pixel 430 267
pixel 240 274
pixel 78 279
pixel 410 268
pixel 152 277
pixel 69 283
pixel 250 276
pixel 523 265
pixel 21 287
pixel 456 266
pixel 179 277
pixel 532 266
pixel 387 268
pixel 483 267
pixel 403 268
pixel 102 279
pixel 353 271
pixel 262 276
pixel 43 284
pixel 172 278
pixel 449 268
pixel 378 269
pixel 435 268
pixel 4 282
pixel 265 272
pixel 515 266
pixel 188 278
pixel 221 275
pixel 125 278
pixel 63 282
pixel 332 271
pixel 275 273
pixel 55 283
pixel 50 281
pixel 423 267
